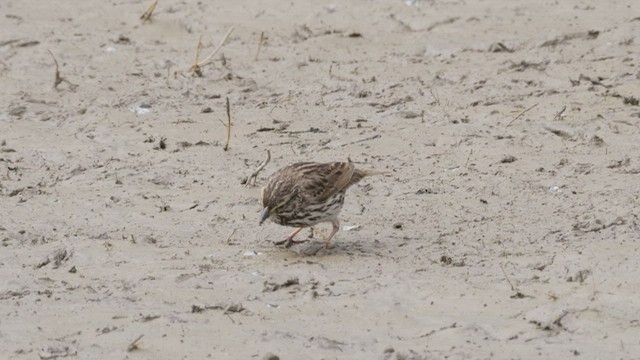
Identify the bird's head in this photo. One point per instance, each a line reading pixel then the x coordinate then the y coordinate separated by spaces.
pixel 271 201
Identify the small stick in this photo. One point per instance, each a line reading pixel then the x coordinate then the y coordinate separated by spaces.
pixel 228 126
pixel 254 175
pixel 593 280
pixel 522 113
pixel 134 345
pixel 59 79
pixel 196 69
pixel 206 60
pixel 260 43
pixel 229 237
pixel 469 158
pixel 363 140
pixel 559 114
pixel 506 277
pixel 435 96
pixel 147 14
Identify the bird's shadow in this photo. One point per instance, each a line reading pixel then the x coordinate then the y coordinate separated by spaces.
pixel 315 246
pixel 318 249
pixel 310 248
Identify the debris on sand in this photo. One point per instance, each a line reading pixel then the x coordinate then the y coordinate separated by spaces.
pixel 499 47
pixel 630 100
pixel 57 351
pixel 227 308
pixel 271 286
pixel 57 258
pixel 508 159
pixel 134 344
pixel 579 276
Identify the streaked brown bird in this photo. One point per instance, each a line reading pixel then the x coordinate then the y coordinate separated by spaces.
pixel 305 194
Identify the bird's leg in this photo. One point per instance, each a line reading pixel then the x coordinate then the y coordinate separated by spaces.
pixel 336 227
pixel 289 240
pixel 319 231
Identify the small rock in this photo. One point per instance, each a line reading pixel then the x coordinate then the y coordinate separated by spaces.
pixel 271 286
pixel 234 308
pixel 499 47
pixel 596 141
pixel 270 356
pixel 425 191
pixel 388 353
pixel 123 40
pixel 313 294
pixel 630 100
pixel 162 144
pixel 508 159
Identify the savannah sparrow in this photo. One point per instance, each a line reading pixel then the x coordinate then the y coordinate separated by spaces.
pixel 305 194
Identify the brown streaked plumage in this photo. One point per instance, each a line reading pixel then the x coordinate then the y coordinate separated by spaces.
pixel 305 194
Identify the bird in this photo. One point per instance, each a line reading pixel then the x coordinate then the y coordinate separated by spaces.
pixel 305 194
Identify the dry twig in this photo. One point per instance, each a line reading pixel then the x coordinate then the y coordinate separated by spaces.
pixel 469 158
pixel 229 237
pixel 147 14
pixel 196 69
pixel 134 344
pixel 363 140
pixel 436 98
pixel 228 126
pixel 260 43
pixel 559 114
pixel 254 175
pixel 506 277
pixel 59 79
pixel 522 113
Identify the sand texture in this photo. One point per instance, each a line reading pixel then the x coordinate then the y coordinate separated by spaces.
pixel 507 227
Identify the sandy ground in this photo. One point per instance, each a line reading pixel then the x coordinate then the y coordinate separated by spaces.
pixel 508 227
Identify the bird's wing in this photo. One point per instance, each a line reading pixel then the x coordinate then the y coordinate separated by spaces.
pixel 320 181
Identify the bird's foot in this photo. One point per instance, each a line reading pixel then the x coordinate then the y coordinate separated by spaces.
pixel 288 242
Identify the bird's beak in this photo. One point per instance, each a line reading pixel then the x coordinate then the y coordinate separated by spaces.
pixel 264 215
